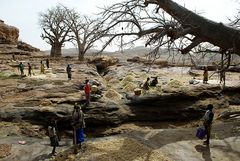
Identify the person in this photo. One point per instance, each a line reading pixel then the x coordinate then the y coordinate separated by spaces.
pixel 52 132
pixel 69 72
pixel 21 68
pixel 47 63
pixel 29 70
pixel 154 82
pixel 42 70
pixel 13 57
pixel 207 122
pixel 205 75
pixel 78 124
pixel 87 90
pixel 146 84
pixel 222 76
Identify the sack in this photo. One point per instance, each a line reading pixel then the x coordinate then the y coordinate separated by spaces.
pixel 201 132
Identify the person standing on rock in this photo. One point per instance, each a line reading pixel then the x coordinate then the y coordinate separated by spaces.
pixel 21 68
pixel 146 84
pixel 207 122
pixel 205 75
pixel 69 72
pixel 87 90
pixel 47 63
pixel 52 132
pixel 13 57
pixel 42 70
pixel 78 124
pixel 154 82
pixel 29 70
pixel 223 76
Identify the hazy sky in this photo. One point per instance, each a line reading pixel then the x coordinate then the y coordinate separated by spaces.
pixel 24 13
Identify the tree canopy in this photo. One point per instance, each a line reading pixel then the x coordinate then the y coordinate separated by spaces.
pixel 165 23
pixel 85 30
pixel 55 31
pixel 61 24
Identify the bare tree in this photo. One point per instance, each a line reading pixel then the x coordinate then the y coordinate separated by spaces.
pixel 86 31
pixel 55 31
pixel 166 25
pixel 179 28
pixel 133 19
pixel 203 30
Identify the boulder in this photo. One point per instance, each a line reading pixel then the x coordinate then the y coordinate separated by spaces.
pixel 103 62
pixel 184 104
pixel 26 47
pixel 8 34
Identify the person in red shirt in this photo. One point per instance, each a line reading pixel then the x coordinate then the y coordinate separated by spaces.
pixel 87 90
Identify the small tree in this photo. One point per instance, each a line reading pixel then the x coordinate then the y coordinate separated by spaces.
pixel 86 31
pixel 55 30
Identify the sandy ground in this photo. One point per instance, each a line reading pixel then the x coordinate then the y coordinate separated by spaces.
pixel 179 144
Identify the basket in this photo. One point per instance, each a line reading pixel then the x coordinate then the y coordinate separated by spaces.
pixel 137 91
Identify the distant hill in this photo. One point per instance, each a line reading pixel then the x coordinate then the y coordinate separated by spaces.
pixel 141 51
pixel 72 52
pixel 137 50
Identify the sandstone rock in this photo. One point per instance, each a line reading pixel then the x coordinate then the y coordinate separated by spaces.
pixel 103 62
pixel 46 103
pixel 8 34
pixel 26 47
pixel 182 104
pixel 135 59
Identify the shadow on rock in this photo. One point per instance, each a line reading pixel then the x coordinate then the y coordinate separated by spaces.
pixel 205 150
pixel 43 157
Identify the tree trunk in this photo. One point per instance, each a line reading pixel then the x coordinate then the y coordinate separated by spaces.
pixel 205 30
pixel 56 50
pixel 80 51
pixel 80 54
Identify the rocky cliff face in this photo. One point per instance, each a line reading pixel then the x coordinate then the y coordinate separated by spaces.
pixel 9 43
pixel 8 34
pixel 26 47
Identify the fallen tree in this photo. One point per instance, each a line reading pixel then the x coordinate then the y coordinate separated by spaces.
pixel 204 30
pixel 180 31
pixel 137 17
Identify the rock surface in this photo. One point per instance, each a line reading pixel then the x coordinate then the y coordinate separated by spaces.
pixel 178 144
pixel 8 34
pixel 43 96
pixel 37 98
pixel 26 47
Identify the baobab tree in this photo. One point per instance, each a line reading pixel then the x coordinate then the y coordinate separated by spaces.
pixel 146 19
pixel 164 23
pixel 55 30
pixel 86 31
